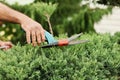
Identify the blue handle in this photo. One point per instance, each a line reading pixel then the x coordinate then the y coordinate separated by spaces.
pixel 50 39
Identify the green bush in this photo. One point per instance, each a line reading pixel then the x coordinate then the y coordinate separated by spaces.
pixel 98 59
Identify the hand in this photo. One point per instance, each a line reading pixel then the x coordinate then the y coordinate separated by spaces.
pixel 34 31
pixel 6 45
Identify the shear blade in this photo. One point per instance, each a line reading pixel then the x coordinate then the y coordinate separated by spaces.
pixel 49 45
pixel 78 42
pixel 74 37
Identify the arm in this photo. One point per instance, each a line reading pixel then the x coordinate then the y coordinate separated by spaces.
pixel 34 30
pixel 8 14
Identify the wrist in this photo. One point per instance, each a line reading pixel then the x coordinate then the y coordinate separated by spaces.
pixel 22 19
pixel 18 17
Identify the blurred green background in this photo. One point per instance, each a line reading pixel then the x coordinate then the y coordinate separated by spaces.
pixel 66 17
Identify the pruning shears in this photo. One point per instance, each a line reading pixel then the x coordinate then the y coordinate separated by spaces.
pixel 52 42
pixel 62 42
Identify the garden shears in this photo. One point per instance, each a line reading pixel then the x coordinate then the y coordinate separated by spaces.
pixel 52 42
pixel 62 42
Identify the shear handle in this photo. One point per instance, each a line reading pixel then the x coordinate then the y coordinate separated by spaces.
pixel 63 42
pixel 49 38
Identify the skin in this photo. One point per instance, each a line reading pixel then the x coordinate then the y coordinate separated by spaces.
pixel 6 45
pixel 34 30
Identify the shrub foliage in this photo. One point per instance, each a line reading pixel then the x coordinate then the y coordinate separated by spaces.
pixel 98 59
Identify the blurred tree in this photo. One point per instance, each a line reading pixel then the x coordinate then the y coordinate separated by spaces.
pixel 65 9
pixel 72 17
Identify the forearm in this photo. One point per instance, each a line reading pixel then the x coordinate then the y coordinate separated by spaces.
pixel 8 14
pixel 34 30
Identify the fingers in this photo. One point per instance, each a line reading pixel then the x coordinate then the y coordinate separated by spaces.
pixel 43 35
pixel 38 37
pixel 6 45
pixel 34 32
pixel 28 37
pixel 9 44
pixel 35 36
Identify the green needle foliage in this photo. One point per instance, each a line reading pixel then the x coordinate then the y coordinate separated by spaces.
pixel 45 9
pixel 98 59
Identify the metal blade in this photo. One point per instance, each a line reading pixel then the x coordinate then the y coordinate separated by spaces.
pixel 50 45
pixel 71 43
pixel 74 37
pixel 78 42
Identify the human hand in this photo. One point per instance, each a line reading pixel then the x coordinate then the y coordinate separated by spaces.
pixel 5 45
pixel 34 31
